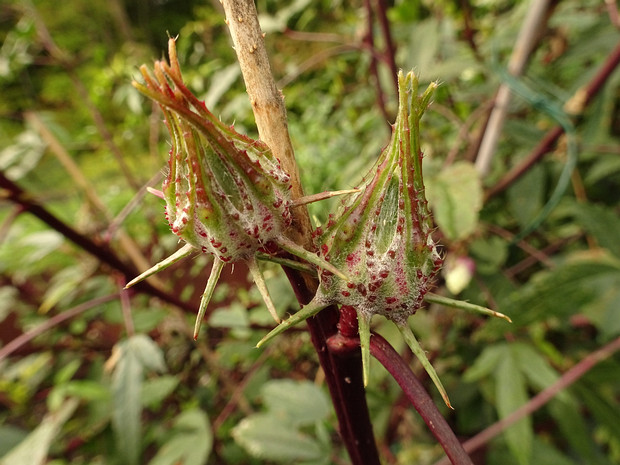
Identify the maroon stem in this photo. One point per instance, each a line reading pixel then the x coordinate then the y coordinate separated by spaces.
pixel 343 373
pixel 420 399
pixel 20 197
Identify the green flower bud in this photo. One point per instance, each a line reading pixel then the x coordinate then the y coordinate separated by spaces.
pixel 381 237
pixel 226 194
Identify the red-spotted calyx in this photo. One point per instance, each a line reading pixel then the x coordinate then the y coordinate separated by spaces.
pixel 226 194
pixel 381 237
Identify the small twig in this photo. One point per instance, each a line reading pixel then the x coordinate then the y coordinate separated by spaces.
pixel 127 244
pixel 17 195
pixel 369 43
pixel 126 308
pixel 528 35
pixel 28 336
pixel 536 402
pixel 342 374
pixel 65 60
pixel 575 105
pixel 390 49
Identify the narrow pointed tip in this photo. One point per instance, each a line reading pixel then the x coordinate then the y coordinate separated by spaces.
pixel 134 281
pixel 156 192
pixel 304 313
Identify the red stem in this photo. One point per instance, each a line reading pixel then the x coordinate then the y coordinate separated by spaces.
pixel 419 398
pixel 22 198
pixel 343 374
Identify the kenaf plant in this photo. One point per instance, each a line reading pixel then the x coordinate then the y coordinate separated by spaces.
pixel 227 195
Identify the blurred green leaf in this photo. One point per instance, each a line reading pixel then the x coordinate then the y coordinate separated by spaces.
pixel 527 195
pixel 602 223
pixel 155 390
pixel 33 450
pixel 486 362
pixel 132 358
pixel 560 292
pixel 511 394
pixel 268 437
pixel 299 402
pixel 190 441
pixel 455 195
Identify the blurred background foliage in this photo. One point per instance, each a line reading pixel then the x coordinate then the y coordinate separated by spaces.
pixel 92 375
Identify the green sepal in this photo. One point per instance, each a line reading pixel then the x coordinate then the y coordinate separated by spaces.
pixel 259 280
pixel 175 257
pixel 313 258
pixel 417 350
pixel 304 313
pixel 216 270
pixel 363 328
pixel 462 305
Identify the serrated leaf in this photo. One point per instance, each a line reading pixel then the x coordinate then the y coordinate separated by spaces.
pixel 534 366
pixel 267 437
pixel 190 443
pixel 301 403
pixel 602 223
pixel 558 293
pixel 455 195
pixel 511 393
pixel 33 450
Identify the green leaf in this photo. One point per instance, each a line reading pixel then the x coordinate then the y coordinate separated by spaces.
pixel 604 409
pixel 527 195
pixel 301 403
pixel 602 223
pixel 534 366
pixel 155 390
pixel 455 195
pixel 545 454
pixel 33 450
pixel 558 293
pixel 570 422
pixel 92 391
pixel 190 443
pixel 268 437
pixel 511 393
pixel 486 362
pixel 64 283
pixel 134 356
pixel 10 436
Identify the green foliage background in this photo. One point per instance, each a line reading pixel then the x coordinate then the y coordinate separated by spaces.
pixel 122 381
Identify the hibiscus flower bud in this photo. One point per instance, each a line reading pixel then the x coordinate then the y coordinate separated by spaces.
pixel 381 237
pixel 226 194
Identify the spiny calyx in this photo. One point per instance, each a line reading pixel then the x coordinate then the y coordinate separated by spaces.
pixel 226 194
pixel 381 237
